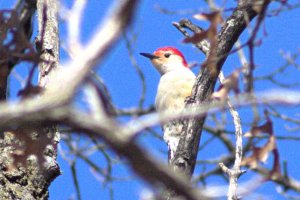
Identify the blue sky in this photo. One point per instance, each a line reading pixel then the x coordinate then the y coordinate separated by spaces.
pixel 153 30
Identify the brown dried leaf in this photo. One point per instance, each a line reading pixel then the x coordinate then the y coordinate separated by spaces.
pixel 215 18
pixel 197 37
pixel 251 161
pixel 265 151
pixel 260 154
pixel 265 128
pixel 230 83
pixel 222 93
pixel 212 17
pixel 276 171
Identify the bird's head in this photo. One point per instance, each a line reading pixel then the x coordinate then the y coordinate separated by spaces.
pixel 166 59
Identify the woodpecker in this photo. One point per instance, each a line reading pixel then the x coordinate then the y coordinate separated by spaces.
pixel 175 85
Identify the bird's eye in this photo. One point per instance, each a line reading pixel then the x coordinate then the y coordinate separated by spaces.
pixel 167 55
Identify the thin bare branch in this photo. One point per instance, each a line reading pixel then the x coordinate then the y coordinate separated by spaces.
pixel 203 45
pixel 235 172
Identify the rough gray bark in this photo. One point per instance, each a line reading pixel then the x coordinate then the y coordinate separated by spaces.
pixel 186 154
pixel 48 40
pixel 23 176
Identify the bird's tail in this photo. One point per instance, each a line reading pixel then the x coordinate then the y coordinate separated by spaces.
pixel 172 132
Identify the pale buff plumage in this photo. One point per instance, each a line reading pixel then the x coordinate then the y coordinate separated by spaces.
pixel 175 85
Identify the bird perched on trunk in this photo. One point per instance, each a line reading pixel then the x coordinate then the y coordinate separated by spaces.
pixel 175 85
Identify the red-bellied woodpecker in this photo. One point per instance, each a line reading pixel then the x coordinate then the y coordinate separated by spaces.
pixel 175 85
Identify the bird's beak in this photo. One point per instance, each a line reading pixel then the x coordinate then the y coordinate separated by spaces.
pixel 149 55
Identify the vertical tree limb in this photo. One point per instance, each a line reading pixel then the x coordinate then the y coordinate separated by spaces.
pixel 186 154
pixel 30 162
pixel 235 172
pixel 48 40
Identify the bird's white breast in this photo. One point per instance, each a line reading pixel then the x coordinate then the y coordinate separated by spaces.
pixel 174 86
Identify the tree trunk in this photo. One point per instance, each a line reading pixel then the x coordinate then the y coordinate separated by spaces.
pixel 28 153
